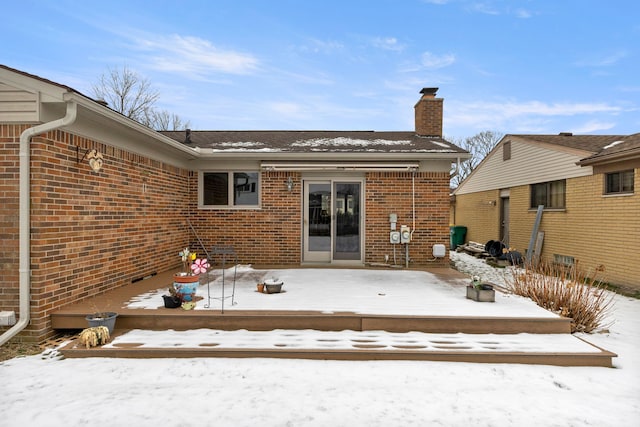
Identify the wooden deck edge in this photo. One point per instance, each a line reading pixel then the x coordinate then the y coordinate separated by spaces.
pixel 322 321
pixel 600 359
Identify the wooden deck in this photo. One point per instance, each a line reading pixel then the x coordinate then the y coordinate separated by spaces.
pixel 72 318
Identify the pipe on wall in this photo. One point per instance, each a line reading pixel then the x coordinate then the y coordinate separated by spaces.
pixel 24 268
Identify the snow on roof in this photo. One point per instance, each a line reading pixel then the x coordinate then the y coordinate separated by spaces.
pixel 613 144
pixel 347 142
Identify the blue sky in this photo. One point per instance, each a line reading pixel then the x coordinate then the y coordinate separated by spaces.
pixel 528 66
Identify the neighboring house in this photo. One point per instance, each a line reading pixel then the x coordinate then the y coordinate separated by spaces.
pixel 279 198
pixel 588 185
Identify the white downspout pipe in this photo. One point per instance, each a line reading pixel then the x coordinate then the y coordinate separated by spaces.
pixel 25 216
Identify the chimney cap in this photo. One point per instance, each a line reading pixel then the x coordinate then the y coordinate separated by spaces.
pixel 429 91
pixel 566 134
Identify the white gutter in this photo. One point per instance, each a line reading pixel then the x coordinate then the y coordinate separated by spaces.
pixel 25 216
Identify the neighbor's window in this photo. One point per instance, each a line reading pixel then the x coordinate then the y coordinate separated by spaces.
pixel 619 182
pixel 229 189
pixel 550 194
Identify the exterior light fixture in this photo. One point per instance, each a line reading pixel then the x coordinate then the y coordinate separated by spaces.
pixel 289 184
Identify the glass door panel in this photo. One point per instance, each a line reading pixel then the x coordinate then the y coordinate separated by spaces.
pixel 346 242
pixel 317 221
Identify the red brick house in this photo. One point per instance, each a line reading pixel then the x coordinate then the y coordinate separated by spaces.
pixel 282 198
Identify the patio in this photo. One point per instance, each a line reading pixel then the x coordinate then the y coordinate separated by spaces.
pixel 334 314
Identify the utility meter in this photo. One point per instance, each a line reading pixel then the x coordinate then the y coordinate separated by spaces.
pixel 405 234
pixel 394 237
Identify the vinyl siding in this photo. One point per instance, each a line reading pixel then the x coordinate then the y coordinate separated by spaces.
pixel 530 163
pixel 17 105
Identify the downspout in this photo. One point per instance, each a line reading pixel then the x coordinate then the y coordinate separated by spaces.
pixel 456 170
pixel 24 268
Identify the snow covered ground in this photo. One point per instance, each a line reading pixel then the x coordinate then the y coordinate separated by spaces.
pixel 46 391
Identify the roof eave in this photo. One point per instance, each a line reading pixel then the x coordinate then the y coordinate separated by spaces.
pixel 610 158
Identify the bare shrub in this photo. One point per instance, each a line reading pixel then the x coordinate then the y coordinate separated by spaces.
pixel 567 291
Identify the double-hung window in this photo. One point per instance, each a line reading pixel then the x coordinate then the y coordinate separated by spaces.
pixel 230 189
pixel 550 194
pixel 619 182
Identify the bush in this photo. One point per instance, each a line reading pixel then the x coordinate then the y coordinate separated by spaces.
pixel 567 291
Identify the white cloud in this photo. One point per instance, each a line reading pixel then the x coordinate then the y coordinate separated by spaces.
pixel 287 108
pixel 523 13
pixel 323 46
pixel 387 43
pixel 186 54
pixel 593 126
pixel 605 60
pixel 431 60
pixel 484 8
pixel 512 109
pixel 530 116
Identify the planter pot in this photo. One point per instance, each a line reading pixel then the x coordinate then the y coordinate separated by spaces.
pixel 107 319
pixel 186 286
pixel 171 301
pixel 273 286
pixel 260 287
pixel 484 294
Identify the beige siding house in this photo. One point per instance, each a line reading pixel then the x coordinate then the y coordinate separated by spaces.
pixel 588 186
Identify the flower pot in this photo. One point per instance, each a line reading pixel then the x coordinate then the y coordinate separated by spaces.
pixel 186 286
pixel 260 287
pixel 485 293
pixel 171 302
pixel 107 319
pixel 273 286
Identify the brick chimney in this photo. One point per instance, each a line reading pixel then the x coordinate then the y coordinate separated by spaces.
pixel 429 113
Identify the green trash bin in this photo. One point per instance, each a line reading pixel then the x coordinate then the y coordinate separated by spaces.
pixel 458 235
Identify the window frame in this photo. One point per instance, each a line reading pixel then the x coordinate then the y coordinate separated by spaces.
pixel 548 195
pixel 621 191
pixel 231 194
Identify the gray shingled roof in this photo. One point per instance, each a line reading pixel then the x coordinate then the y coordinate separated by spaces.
pixel 315 141
pixel 592 143
pixel 626 146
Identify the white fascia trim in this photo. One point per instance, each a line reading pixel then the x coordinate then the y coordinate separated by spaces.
pixel 125 121
pixel 351 166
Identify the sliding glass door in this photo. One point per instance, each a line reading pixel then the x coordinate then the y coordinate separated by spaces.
pixel 332 221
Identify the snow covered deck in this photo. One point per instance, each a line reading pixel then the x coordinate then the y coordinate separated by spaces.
pixel 347 314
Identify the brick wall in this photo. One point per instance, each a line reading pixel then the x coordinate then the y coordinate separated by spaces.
pixel 596 230
pixel 265 236
pixel 481 218
pixel 391 192
pixel 271 235
pixel 9 174
pixel 90 232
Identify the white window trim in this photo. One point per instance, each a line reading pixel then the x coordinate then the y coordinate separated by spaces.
pixel 230 189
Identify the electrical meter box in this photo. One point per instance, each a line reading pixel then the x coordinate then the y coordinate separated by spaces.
pixel 394 237
pixel 393 219
pixel 405 234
